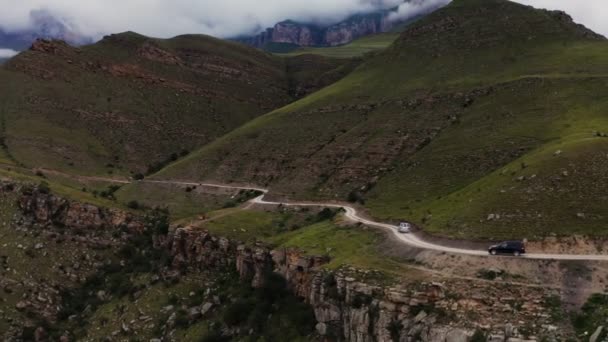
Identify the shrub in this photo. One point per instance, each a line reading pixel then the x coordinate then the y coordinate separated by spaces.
pixel 360 300
pixel 238 312
pixel 181 320
pixel 326 214
pixel 133 205
pixel 356 197
pixel 479 336
pixel 44 187
pixel 230 204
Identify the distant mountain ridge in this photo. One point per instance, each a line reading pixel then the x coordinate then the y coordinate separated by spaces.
pixel 290 32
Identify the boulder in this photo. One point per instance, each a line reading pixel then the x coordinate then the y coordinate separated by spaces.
pixel 457 335
pixel 321 329
pixel 206 308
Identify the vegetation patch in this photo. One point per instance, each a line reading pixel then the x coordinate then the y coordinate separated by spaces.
pixel 593 314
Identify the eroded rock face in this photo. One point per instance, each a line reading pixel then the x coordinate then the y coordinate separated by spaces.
pixel 48 209
pixel 301 34
pixel 50 46
pixel 350 309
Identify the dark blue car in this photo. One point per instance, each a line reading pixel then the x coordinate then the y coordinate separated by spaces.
pixel 515 248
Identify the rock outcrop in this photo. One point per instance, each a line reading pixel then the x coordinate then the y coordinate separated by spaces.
pixel 350 306
pixel 49 209
pixel 301 34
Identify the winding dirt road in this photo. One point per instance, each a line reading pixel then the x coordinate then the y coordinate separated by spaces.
pixel 410 239
pixel 351 213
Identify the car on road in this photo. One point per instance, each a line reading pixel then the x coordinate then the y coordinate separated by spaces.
pixel 515 248
pixel 404 228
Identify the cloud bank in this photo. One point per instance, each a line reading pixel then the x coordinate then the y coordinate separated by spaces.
pixel 416 7
pixel 7 53
pixel 591 13
pixel 229 18
pixel 166 18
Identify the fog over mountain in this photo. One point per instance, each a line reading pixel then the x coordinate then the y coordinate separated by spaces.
pixel 229 18
pixel 7 53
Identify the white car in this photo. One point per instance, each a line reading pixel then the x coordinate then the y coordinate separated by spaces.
pixel 404 228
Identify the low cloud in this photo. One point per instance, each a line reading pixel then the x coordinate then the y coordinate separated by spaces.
pixel 229 18
pixel 416 7
pixel 591 13
pixel 167 18
pixel 7 53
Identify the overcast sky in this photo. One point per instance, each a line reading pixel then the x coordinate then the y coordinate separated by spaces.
pixel 225 18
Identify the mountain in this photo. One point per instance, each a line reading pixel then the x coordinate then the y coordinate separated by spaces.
pixel 43 25
pixel 290 34
pixel 131 104
pixel 483 120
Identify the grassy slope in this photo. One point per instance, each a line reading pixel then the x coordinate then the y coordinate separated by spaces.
pixel 356 48
pixel 129 102
pixel 304 230
pixel 472 90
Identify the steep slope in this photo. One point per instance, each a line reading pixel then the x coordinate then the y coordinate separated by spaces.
pixel 423 130
pixel 356 48
pixel 132 104
pixel 289 35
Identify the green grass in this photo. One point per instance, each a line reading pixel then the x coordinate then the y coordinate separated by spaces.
pixel 424 129
pixel 357 48
pixel 345 245
pixel 246 225
pixel 181 203
pixel 60 189
pixel 117 106
pixel 151 302
pixel 351 246
pixel 593 314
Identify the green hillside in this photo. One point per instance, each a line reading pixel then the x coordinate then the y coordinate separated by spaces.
pixel 485 119
pixel 357 48
pixel 132 104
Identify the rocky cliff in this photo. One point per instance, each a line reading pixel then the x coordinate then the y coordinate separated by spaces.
pixel 302 34
pixel 47 209
pixel 354 305
pixel 348 304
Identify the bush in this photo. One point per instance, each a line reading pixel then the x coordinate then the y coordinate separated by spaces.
pixel 356 197
pixel 238 312
pixel 230 204
pixel 215 336
pixel 361 300
pixel 157 221
pixel 479 336
pixel 326 214
pixel 133 205
pixel 138 176
pixel 181 320
pixel 44 188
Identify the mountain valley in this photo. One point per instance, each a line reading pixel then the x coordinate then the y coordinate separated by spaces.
pixel 200 189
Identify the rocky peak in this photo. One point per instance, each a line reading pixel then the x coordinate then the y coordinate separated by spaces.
pixel 53 47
